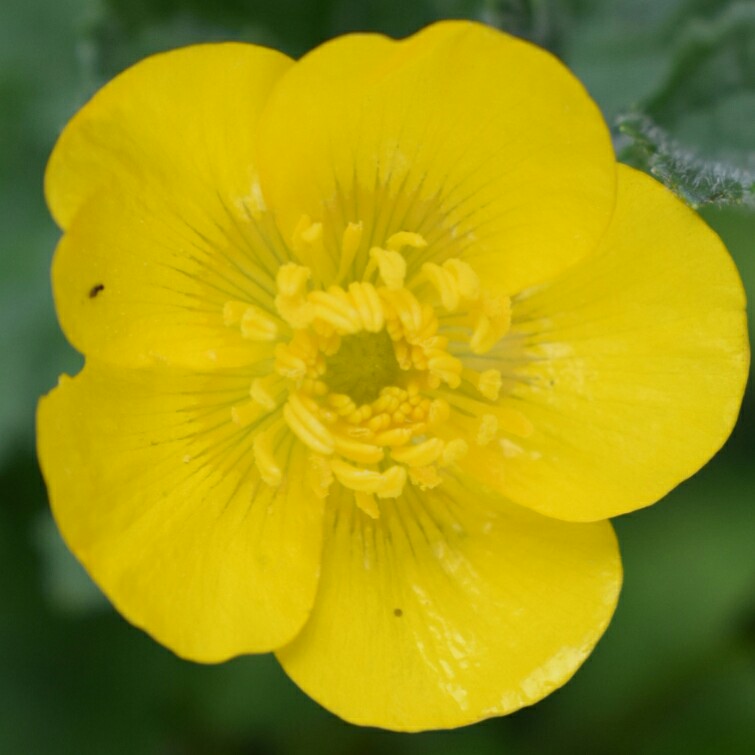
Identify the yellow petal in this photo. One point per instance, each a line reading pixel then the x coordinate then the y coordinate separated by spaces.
pixel 155 182
pixel 155 490
pixel 481 143
pixel 452 607
pixel 184 119
pixel 137 284
pixel 631 367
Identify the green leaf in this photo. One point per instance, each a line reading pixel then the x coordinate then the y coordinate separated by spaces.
pixel 697 180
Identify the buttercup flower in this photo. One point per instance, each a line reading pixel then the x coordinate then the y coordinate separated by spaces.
pixel 376 342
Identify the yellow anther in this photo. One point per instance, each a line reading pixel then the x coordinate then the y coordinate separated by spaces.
pixel 291 279
pixel 489 384
pixel 444 283
pixel 388 484
pixel 420 454
pixel 417 413
pixel 379 422
pixel 498 308
pixel 262 391
pixel 447 368
pixel 483 337
pixel 394 437
pixel 257 325
pixel 288 364
pixel 306 235
pixel 328 343
pixel 492 323
pixel 264 457
pixel 306 426
pixel 342 404
pixel 403 353
pixel 425 478
pixel 319 475
pixel 467 280
pixel 350 242
pixel 405 238
pixel 365 300
pixel 291 302
pixel 245 414
pixel 395 480
pixel 487 430
pixel 513 422
pixel 391 266
pixel 362 414
pixel 313 387
pixel 334 307
pixel 407 310
pixel 438 412
pixel 233 311
pixel 454 451
pixel 367 504
pixel 364 453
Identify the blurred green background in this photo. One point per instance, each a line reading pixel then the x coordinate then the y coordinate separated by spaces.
pixel 676 669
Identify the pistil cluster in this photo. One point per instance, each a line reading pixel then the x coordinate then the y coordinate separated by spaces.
pixel 365 375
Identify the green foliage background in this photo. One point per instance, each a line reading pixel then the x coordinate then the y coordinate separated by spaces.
pixel 676 669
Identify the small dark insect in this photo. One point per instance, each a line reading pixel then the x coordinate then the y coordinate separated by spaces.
pixel 94 290
pixel 397 612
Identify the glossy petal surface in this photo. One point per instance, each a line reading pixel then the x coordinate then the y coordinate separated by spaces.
pixel 156 492
pixel 155 182
pixel 452 607
pixel 502 158
pixel 630 368
pixel 182 120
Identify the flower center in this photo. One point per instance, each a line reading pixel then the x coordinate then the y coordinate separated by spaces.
pixel 364 364
pixel 368 375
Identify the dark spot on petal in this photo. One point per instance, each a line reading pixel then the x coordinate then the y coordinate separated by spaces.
pixel 94 290
pixel 397 612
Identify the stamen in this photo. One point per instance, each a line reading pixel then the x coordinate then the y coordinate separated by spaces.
pixel 489 384
pixel 365 300
pixel 492 324
pixel 246 414
pixel 307 238
pixel 306 426
pixel 425 478
pixel 319 475
pixel 391 266
pixel 488 430
pixel 405 238
pixel 388 484
pixel 454 451
pixel 233 311
pixel 356 376
pixel 419 455
pixel 290 302
pixel 365 453
pixel 368 504
pixel 257 325
pixel 264 456
pixel 262 391
pixel 455 281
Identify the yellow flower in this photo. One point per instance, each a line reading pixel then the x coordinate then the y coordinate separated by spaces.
pixel 375 343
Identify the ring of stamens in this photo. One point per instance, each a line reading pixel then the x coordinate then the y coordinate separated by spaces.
pixel 363 372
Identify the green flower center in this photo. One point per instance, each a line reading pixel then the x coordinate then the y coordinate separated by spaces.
pixel 364 364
